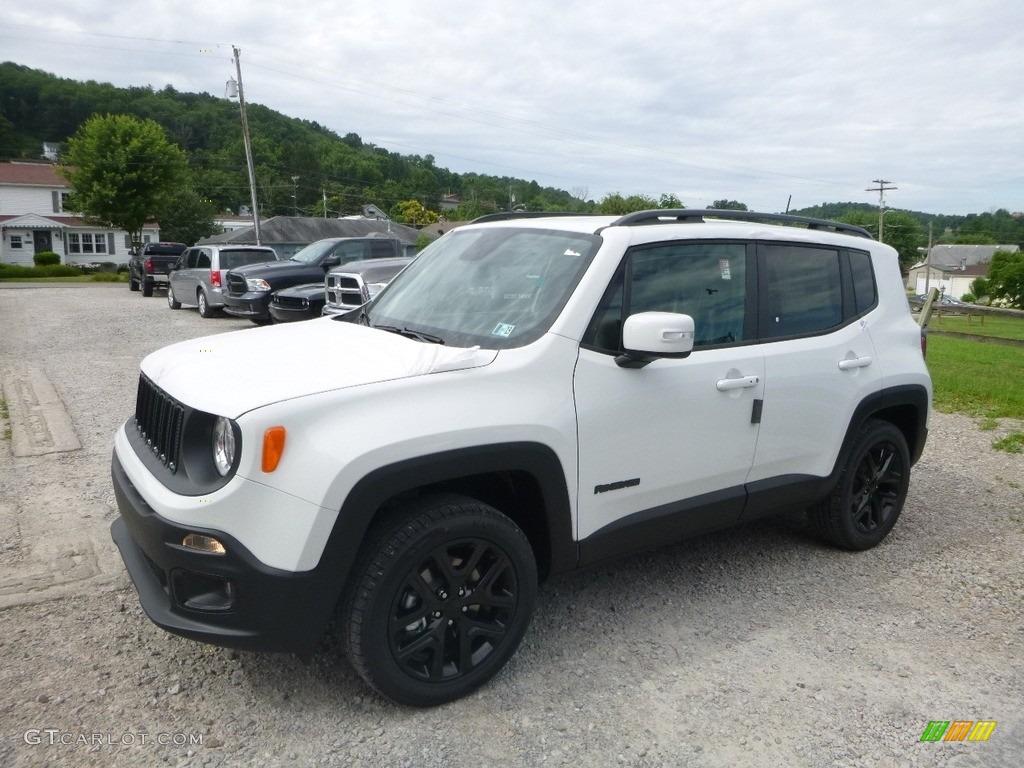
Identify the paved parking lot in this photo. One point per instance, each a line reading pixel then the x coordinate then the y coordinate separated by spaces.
pixel 753 647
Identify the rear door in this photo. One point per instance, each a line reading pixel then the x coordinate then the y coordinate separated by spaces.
pixel 819 355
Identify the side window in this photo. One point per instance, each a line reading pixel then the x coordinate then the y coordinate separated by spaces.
pixel 381 249
pixel 704 280
pixel 187 260
pixel 350 252
pixel 203 259
pixel 803 290
pixel 864 292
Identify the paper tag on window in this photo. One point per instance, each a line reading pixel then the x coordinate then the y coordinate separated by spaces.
pixel 723 267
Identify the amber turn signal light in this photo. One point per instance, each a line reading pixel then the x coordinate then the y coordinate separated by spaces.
pixel 273 448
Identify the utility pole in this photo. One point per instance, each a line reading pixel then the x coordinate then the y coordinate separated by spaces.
pixel 295 192
pixel 248 147
pixel 928 261
pixel 881 189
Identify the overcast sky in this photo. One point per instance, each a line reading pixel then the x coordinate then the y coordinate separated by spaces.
pixel 751 100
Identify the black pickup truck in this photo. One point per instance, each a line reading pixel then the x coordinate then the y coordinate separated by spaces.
pixel 249 288
pixel 150 265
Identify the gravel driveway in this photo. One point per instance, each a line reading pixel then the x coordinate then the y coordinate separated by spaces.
pixel 753 647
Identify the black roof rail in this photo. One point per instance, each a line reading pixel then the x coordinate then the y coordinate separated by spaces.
pixel 508 215
pixel 677 215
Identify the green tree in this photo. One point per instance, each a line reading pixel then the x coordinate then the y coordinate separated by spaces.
pixel 728 205
pixel 670 201
pixel 122 172
pixel 900 230
pixel 617 205
pixel 187 217
pixel 413 213
pixel 1006 278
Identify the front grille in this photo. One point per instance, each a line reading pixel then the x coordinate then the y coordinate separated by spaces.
pixel 290 302
pixel 345 290
pixel 159 419
pixel 236 284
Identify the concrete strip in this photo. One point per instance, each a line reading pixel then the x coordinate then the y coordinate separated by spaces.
pixel 39 422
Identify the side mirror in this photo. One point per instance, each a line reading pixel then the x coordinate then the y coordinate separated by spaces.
pixel 647 336
pixel 331 261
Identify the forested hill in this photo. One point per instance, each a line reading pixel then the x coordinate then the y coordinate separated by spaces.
pixel 36 106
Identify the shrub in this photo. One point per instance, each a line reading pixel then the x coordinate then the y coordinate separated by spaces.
pixel 46 259
pixel 104 277
pixel 968 298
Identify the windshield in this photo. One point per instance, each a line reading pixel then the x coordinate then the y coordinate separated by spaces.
pixel 313 251
pixel 494 288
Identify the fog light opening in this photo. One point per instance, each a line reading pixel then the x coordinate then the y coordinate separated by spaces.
pixel 201 543
pixel 201 592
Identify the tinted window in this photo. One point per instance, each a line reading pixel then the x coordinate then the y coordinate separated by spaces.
pixel 382 249
pixel 704 280
pixel 863 282
pixel 188 259
pixel 203 262
pixel 352 251
pixel 804 290
pixel 232 259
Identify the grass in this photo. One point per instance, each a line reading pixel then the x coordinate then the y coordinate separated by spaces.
pixel 981 380
pixel 1012 443
pixel 996 326
pixel 5 414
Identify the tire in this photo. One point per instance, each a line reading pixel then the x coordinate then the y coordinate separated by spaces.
pixel 172 302
pixel 870 493
pixel 133 284
pixel 440 599
pixel 147 288
pixel 204 305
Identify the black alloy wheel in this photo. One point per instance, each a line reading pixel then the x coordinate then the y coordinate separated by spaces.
pixel 869 496
pixel 443 596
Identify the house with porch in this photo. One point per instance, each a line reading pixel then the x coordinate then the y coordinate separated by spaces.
pixel 952 268
pixel 33 219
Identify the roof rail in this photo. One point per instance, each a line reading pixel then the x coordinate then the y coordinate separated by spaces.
pixel 689 215
pixel 509 215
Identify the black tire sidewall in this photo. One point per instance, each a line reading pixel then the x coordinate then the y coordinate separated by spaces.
pixel 872 434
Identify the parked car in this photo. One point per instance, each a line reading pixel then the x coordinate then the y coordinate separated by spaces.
pixel 344 289
pixel 148 268
pixel 199 275
pixel 248 289
pixel 530 396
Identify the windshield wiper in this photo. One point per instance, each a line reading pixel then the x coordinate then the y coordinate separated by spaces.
pixel 411 334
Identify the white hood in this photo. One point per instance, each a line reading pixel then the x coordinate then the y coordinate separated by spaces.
pixel 231 373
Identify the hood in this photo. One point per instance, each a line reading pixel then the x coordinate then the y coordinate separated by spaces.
pixel 286 268
pixel 231 373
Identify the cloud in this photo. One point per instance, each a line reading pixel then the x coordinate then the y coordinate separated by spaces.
pixel 746 100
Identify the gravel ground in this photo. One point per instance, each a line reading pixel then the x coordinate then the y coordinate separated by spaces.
pixel 753 647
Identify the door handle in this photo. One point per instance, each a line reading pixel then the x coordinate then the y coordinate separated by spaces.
pixel 857 362
pixel 724 385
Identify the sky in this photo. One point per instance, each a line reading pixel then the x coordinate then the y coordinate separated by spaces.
pixel 773 103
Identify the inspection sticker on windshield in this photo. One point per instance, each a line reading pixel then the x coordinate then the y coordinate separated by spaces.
pixel 504 330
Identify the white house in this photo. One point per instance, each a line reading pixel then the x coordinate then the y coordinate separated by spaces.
pixel 32 219
pixel 952 268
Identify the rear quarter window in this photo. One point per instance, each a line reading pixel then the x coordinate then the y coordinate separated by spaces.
pixel 233 259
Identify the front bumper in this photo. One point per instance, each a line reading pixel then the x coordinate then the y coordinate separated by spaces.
pixel 232 600
pixel 290 314
pixel 254 306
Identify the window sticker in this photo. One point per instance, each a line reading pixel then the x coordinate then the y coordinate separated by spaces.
pixel 571 252
pixel 723 267
pixel 504 330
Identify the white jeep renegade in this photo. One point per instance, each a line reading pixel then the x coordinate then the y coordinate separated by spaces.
pixel 531 395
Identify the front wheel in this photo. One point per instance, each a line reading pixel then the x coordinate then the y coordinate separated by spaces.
pixel 869 495
pixel 172 302
pixel 440 599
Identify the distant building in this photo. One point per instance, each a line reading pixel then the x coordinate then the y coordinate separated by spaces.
pixel 952 268
pixel 33 219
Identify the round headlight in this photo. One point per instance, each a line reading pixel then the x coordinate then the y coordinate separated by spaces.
pixel 223 445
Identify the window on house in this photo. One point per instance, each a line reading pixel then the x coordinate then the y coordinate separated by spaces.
pixel 16 243
pixel 86 242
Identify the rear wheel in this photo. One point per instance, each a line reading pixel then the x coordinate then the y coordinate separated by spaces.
pixel 868 498
pixel 171 301
pixel 147 287
pixel 204 305
pixel 133 284
pixel 440 599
